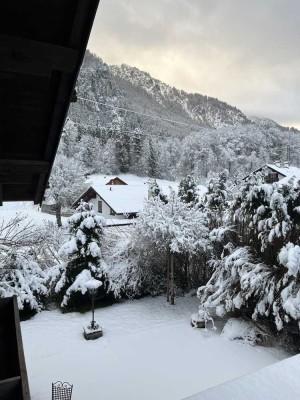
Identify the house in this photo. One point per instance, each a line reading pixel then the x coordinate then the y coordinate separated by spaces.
pixel 116 201
pixel 116 181
pixel 275 173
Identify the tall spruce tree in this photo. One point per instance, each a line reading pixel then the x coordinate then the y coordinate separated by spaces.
pixel 152 161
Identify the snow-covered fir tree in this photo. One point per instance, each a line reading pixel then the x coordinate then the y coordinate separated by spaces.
pixel 83 251
pixel 187 190
pixel 217 191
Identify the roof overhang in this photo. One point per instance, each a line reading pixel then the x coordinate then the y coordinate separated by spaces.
pixel 42 45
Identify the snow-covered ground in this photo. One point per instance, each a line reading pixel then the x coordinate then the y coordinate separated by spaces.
pixel 148 351
pixel 26 208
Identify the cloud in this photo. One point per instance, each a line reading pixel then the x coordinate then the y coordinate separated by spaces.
pixel 244 52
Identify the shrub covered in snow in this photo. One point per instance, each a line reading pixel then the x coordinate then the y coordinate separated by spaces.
pixel 20 275
pixel 83 253
pixel 244 331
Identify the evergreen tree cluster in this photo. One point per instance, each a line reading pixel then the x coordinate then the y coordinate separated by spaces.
pixel 257 270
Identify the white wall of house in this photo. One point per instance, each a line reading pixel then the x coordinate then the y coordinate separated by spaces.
pixel 106 210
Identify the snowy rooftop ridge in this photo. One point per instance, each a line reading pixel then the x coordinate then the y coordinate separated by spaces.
pixel 129 198
pixel 130 179
pixel 275 382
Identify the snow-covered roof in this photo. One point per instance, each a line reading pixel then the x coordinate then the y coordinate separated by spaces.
pixel 130 179
pixel 123 199
pixel 275 382
pixel 286 171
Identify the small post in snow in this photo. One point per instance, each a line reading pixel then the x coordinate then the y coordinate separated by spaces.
pixel 93 330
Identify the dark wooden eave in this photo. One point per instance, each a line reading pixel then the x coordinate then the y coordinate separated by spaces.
pixel 42 44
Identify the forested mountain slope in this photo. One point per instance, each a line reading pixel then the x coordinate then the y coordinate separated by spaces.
pixel 178 133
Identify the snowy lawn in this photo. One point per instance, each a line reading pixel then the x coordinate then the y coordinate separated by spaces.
pixel 148 351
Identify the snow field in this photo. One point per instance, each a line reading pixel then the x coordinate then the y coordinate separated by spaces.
pixel 148 352
pixel 9 210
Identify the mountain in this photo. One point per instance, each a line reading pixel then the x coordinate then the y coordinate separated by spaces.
pixel 127 121
pixel 206 111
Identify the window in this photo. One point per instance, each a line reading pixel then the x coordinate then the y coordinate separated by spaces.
pixel 100 206
pixel 272 177
pixel 112 212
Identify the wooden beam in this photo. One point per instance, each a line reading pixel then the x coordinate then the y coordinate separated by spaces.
pixel 23 167
pixel 16 179
pixel 39 189
pixel 10 388
pixel 26 56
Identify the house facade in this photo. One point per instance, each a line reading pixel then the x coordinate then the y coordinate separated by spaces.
pixel 103 208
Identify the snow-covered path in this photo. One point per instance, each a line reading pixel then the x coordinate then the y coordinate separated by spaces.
pixel 148 351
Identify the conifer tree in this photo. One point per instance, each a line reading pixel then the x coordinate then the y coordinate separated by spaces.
pixel 155 191
pixel 217 193
pixel 84 257
pixel 152 161
pixel 187 190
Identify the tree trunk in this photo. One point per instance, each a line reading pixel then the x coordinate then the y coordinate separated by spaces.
pixel 168 275
pixel 186 270
pixel 58 214
pixel 172 280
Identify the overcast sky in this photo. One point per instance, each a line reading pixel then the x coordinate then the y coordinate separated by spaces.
pixel 244 52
